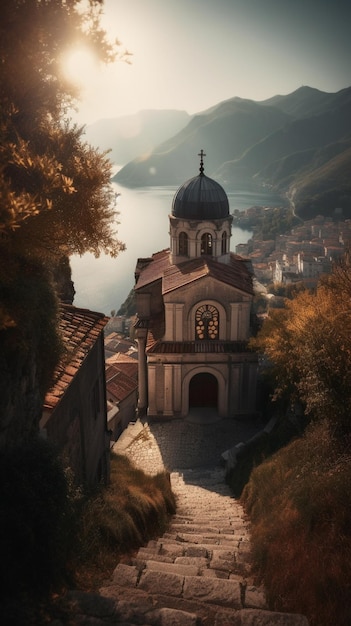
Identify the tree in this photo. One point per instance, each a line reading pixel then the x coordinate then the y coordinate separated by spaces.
pixel 55 193
pixel 308 345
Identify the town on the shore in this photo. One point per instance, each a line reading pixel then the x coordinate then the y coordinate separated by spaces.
pixel 301 254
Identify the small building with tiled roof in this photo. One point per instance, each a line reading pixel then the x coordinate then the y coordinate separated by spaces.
pixel 74 414
pixel 194 312
pixel 122 392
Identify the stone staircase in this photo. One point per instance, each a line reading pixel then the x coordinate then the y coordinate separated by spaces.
pixel 196 574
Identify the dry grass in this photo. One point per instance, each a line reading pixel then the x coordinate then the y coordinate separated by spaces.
pixel 53 537
pixel 299 506
pixel 134 508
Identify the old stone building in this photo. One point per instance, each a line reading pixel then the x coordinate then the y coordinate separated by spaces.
pixel 194 311
pixel 74 412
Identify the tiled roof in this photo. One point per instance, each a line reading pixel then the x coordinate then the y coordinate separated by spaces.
pixel 156 330
pixel 153 271
pixel 118 383
pixel 236 273
pixel 125 363
pixel 80 329
pixel 198 347
pixel 116 343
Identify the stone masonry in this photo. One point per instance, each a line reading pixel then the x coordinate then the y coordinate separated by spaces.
pixel 198 573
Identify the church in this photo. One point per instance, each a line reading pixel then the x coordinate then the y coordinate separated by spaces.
pixel 194 305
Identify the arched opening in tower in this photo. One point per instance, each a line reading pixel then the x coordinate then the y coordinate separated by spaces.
pixel 203 390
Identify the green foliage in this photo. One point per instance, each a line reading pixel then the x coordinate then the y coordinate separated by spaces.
pixel 275 222
pixel 299 507
pixel 289 290
pixel 326 186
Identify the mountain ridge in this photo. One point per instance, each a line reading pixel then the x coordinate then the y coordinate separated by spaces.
pixel 128 136
pixel 297 145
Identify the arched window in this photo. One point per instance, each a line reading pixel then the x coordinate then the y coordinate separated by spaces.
pixel 206 244
pixel 224 243
pixel 207 322
pixel 183 244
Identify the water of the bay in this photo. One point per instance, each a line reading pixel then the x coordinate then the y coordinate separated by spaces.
pixel 103 284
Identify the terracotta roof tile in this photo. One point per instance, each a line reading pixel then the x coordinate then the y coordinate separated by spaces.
pixel 125 364
pixel 116 344
pixel 154 269
pixel 156 330
pixel 196 347
pixel 118 383
pixel 236 273
pixel 80 329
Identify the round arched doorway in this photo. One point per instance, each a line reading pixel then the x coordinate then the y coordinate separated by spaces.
pixel 203 390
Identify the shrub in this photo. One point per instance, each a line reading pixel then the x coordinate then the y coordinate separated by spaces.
pixel 119 519
pixel 299 506
pixel 257 450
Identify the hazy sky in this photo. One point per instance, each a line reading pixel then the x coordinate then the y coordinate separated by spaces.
pixel 192 54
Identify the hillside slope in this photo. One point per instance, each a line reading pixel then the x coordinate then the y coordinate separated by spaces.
pixel 285 143
pixel 132 135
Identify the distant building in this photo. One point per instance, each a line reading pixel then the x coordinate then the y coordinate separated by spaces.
pixel 122 392
pixel 312 267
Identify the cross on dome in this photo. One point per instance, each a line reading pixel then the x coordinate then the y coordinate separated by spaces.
pixel 201 155
pixel 200 198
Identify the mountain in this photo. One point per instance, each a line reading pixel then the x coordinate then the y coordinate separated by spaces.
pixel 296 144
pixel 133 135
pixel 228 130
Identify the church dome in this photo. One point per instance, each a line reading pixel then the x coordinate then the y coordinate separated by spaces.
pixel 200 198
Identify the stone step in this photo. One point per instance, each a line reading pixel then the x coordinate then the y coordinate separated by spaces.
pixel 190 527
pixel 179 582
pixel 203 538
pixel 134 607
pixel 199 572
pixel 181 569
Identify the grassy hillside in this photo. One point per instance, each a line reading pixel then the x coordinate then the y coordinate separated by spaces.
pixel 326 186
pixel 299 505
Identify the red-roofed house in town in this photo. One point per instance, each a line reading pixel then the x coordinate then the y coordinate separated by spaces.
pixel 122 392
pixel 74 414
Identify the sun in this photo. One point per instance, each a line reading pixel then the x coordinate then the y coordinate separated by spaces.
pixel 79 65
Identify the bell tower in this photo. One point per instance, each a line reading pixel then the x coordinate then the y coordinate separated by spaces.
pixel 200 222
